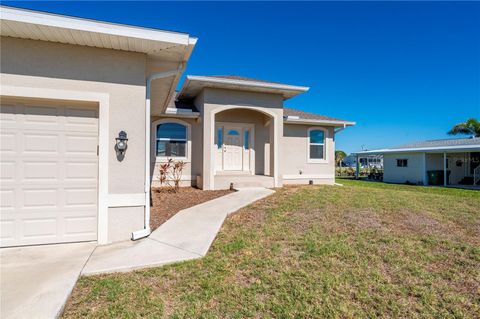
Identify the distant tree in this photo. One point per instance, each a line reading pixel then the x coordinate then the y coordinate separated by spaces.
pixel 470 127
pixel 339 156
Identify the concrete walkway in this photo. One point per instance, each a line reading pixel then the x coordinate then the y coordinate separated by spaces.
pixel 187 235
pixel 36 281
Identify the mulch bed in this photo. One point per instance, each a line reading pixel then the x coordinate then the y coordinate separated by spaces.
pixel 167 203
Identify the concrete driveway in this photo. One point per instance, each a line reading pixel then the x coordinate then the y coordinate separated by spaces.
pixel 36 281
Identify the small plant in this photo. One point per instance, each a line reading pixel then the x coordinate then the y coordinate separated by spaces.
pixel 172 171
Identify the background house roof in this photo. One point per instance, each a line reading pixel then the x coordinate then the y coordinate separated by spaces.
pixel 455 144
pixel 441 143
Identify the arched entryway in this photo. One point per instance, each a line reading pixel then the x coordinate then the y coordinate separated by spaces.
pixel 243 147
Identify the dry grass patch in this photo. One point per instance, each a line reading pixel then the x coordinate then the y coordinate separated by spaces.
pixel 365 250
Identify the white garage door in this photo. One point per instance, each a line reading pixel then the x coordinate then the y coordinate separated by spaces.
pixel 48 172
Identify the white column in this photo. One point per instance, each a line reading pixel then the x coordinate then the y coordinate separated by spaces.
pixel 444 169
pixel 208 140
pixel 277 131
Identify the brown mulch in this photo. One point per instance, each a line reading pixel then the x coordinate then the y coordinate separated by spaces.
pixel 166 202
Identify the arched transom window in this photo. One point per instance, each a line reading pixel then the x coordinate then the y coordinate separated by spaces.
pixel 317 144
pixel 171 140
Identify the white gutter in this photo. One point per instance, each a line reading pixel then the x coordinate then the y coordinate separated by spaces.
pixel 289 120
pixel 94 26
pixel 266 85
pixel 338 130
pixel 146 230
pixel 172 112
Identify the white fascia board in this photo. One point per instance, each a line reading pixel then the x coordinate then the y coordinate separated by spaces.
pixel 248 83
pixel 172 112
pixel 289 120
pixel 81 24
pixel 241 83
pixel 463 148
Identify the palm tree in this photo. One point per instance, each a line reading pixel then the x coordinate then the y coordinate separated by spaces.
pixel 339 156
pixel 470 127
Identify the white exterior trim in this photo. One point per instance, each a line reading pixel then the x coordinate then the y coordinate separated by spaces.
pixel 291 120
pixel 308 176
pixel 81 24
pixel 153 134
pixel 248 83
pixel 103 139
pixel 126 200
pixel 181 113
pixel 325 158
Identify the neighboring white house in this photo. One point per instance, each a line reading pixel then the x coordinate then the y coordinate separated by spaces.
pixel 89 111
pixel 445 162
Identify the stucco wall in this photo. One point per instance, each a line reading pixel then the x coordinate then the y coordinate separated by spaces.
pixel 413 173
pixel 294 162
pixel 121 75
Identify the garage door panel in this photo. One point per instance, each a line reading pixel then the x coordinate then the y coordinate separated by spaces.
pixel 49 174
pixel 38 143
pixel 76 197
pixel 7 142
pixel 39 114
pixel 36 228
pixel 80 225
pixel 7 199
pixel 83 171
pixel 44 171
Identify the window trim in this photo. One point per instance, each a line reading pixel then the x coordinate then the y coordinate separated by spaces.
pixel 325 158
pixel 188 146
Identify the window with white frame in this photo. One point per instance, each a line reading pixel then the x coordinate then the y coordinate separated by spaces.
pixel 171 140
pixel 316 145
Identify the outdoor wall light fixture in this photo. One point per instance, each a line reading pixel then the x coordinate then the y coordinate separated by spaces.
pixel 121 144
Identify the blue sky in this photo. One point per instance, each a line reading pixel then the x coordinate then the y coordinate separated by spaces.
pixel 404 71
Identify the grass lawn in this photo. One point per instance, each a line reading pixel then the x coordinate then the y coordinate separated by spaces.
pixel 364 250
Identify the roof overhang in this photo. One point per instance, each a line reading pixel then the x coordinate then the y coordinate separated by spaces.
pixel 448 149
pixel 193 85
pixel 28 24
pixel 300 121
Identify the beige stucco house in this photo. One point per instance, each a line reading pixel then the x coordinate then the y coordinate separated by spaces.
pixel 70 90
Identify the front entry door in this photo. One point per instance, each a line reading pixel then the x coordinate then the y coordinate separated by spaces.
pixel 232 148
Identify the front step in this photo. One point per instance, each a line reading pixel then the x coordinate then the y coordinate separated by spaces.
pixel 241 181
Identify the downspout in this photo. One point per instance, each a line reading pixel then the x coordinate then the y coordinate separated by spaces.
pixel 146 230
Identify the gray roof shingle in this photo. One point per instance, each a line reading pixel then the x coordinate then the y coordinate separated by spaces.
pixel 440 143
pixel 307 115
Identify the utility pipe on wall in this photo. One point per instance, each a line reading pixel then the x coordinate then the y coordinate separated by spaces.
pixel 146 230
